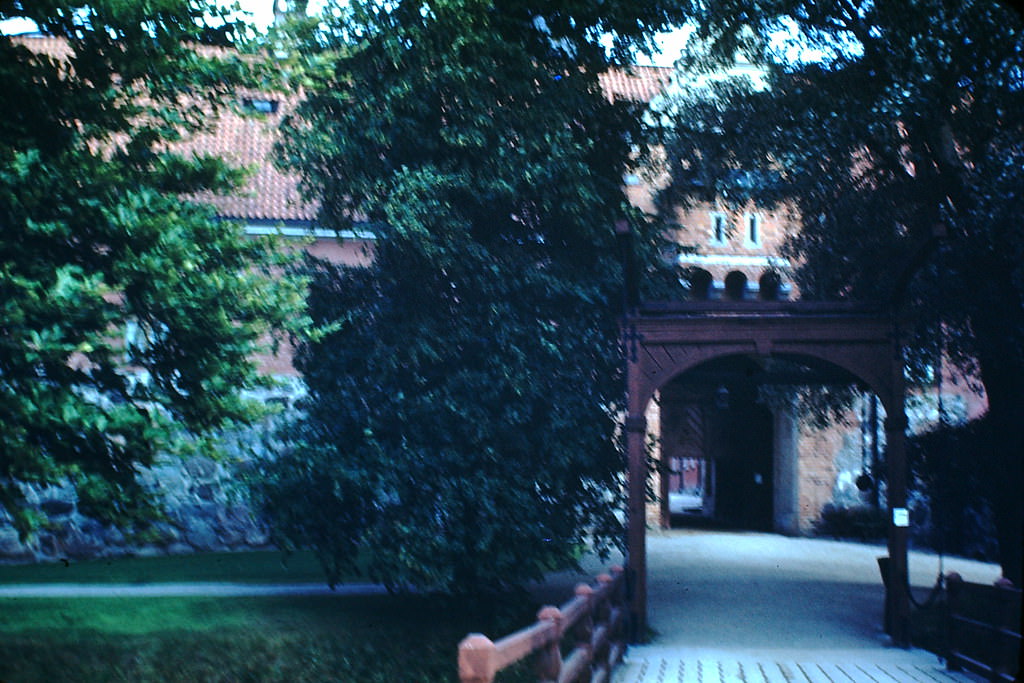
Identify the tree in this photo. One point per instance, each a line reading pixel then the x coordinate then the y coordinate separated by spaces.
pixel 462 396
pixel 907 122
pixel 97 235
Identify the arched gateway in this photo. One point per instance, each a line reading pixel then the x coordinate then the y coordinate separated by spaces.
pixel 664 341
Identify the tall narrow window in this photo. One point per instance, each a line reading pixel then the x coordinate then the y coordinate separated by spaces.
pixel 753 230
pixel 718 229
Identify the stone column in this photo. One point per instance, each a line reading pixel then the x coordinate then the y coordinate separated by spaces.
pixel 786 503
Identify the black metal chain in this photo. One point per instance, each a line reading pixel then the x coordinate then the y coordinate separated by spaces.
pixel 933 596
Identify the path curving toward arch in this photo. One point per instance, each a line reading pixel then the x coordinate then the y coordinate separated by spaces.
pixel 753 590
pixel 745 606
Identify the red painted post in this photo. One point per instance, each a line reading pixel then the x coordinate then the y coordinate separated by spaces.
pixel 636 539
pixel 549 658
pixel 478 659
pixel 584 628
pixel 603 615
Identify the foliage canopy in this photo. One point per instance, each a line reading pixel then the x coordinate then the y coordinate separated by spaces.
pixel 95 238
pixel 906 121
pixel 461 411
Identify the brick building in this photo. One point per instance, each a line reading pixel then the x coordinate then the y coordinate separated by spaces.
pixel 724 451
pixel 740 453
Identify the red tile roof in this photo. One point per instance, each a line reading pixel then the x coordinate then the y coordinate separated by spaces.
pixel 640 83
pixel 247 140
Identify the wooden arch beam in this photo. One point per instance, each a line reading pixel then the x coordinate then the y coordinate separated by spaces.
pixel 663 341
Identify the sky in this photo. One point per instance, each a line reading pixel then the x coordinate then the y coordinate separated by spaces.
pixel 671 42
pixel 262 14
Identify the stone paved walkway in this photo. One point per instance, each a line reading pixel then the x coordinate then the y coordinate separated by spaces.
pixel 657 665
pixel 752 607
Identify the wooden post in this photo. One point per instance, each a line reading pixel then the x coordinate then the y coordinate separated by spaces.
pixel 584 629
pixel 549 658
pixel 608 603
pixel 1007 648
pixel 954 585
pixel 636 538
pixel 897 598
pixel 603 615
pixel 618 602
pixel 478 659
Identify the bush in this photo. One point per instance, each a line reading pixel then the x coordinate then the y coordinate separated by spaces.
pixel 953 479
pixel 858 522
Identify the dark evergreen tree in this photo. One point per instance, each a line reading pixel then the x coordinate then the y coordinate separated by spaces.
pixel 462 410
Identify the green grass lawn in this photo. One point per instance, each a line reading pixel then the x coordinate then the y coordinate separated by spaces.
pixel 357 639
pixel 361 639
pixel 247 567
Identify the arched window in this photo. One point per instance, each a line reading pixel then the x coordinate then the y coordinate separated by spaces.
pixel 752 238
pixel 735 285
pixel 770 285
pixel 699 282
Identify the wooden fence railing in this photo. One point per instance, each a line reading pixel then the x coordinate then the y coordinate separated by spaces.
pixel 593 623
pixel 984 628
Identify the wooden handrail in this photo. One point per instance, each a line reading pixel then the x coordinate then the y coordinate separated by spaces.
pixel 984 628
pixel 595 620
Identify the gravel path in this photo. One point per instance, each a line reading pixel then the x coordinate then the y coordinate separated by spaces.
pixel 764 590
pixel 730 606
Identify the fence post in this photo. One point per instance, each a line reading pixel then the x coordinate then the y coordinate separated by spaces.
pixel 954 585
pixel 603 614
pixel 618 635
pixel 584 629
pixel 478 659
pixel 1007 651
pixel 549 658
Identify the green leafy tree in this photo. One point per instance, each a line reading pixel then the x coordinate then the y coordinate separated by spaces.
pixel 96 238
pixel 461 413
pixel 906 122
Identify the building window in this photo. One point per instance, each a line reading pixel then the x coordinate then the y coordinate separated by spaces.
pixel 753 236
pixel 736 285
pixel 719 229
pixel 260 105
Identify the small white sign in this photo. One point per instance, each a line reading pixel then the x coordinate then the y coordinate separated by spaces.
pixel 900 517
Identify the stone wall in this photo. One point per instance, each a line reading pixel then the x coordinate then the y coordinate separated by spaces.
pixel 205 510
pixel 204 499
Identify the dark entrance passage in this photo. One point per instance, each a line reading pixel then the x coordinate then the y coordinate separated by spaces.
pixel 717 454
pixel 730 450
pixel 742 458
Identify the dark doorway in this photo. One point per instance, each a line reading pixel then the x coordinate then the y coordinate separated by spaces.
pixel 718 448
pixel 742 456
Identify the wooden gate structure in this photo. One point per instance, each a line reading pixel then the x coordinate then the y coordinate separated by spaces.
pixel 664 341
